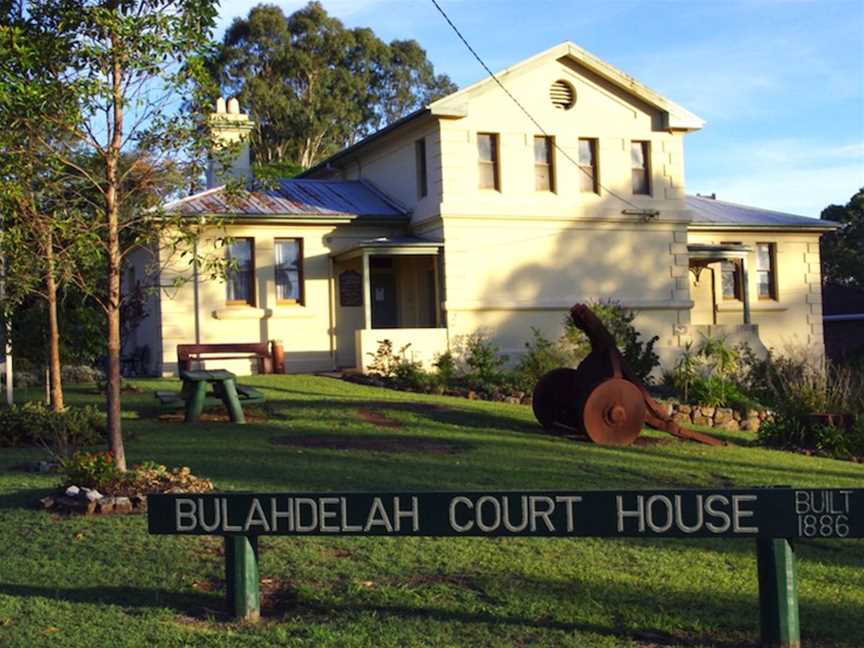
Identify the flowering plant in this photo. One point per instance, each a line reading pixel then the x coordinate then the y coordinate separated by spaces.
pixel 90 469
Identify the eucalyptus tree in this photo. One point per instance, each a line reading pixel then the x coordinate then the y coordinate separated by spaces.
pixel 314 86
pixel 130 65
pixel 843 250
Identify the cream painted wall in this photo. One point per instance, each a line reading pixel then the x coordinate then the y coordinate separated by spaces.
pixel 601 112
pixel 520 258
pixel 795 318
pixel 306 330
pixel 504 281
pixel 391 165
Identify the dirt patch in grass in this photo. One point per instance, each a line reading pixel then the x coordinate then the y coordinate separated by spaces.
pixel 251 415
pixel 378 418
pixel 391 444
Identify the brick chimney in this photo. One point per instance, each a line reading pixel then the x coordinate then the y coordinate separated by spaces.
pixel 229 127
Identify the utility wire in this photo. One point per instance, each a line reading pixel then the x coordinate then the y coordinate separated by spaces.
pixel 525 110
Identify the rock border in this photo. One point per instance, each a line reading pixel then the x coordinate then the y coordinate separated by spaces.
pixel 88 501
pixel 722 418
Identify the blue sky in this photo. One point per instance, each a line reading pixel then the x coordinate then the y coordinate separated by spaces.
pixel 781 84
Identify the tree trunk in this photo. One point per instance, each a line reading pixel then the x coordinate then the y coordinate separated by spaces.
pixel 53 328
pixel 112 217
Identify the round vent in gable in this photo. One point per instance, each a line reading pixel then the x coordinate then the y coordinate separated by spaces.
pixel 562 94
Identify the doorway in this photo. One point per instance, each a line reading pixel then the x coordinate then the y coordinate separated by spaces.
pixel 382 285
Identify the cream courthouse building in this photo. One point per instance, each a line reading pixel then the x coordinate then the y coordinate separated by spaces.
pixel 466 216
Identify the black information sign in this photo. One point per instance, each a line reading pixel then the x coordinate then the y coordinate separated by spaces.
pixel 752 513
pixel 350 288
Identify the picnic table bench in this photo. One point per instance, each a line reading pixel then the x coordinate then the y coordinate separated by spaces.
pixel 193 396
pixel 187 353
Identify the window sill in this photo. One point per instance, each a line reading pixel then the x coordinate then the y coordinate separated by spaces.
pixel 291 311
pixel 756 307
pixel 241 313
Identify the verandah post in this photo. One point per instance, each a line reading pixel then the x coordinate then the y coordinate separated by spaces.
pixel 778 593
pixel 242 590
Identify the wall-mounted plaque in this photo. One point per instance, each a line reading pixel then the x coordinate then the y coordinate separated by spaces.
pixel 350 288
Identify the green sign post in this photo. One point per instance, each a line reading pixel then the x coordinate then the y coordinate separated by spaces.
pixel 773 517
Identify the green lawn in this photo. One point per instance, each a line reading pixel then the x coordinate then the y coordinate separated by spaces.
pixel 106 582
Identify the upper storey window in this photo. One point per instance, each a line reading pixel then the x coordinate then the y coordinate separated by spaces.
pixel 588 166
pixel 544 167
pixel 488 171
pixel 422 181
pixel 640 155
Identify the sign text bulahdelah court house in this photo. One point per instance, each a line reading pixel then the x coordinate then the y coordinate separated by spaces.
pixel 774 517
pixel 763 513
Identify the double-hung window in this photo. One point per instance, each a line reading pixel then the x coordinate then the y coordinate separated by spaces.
pixel 240 277
pixel 289 271
pixel 766 263
pixel 640 164
pixel 588 166
pixel 487 161
pixel 544 163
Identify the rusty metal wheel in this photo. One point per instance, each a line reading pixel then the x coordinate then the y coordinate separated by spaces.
pixel 554 398
pixel 614 413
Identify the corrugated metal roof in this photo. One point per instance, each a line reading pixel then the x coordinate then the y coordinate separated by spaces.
pixel 304 198
pixel 708 211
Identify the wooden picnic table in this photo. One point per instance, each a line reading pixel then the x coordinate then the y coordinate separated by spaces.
pixel 224 387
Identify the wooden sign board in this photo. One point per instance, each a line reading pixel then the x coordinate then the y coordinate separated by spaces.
pixel 706 513
pixel 350 288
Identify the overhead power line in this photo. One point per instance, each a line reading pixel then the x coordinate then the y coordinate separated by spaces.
pixel 527 113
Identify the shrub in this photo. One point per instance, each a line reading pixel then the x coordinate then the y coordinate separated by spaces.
pixel 90 470
pixel 798 386
pixel 790 432
pixel 639 354
pixel 23 379
pixel 445 365
pixel 61 433
pixel 385 360
pixel 484 360
pixel 75 374
pixel 542 356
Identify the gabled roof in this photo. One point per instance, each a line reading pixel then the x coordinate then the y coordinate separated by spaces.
pixel 709 213
pixel 675 117
pixel 293 198
pixel 455 105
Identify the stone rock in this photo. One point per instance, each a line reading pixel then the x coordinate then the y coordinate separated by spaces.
pixel 92 495
pixel 731 425
pixel 681 419
pixel 139 502
pixel 736 415
pixel 751 424
pixel 684 409
pixel 105 505
pixel 73 491
pixel 707 411
pixel 45 502
pixel 722 415
pixel 122 505
pixel 698 419
pixel 45 466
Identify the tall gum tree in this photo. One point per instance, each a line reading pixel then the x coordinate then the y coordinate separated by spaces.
pixel 132 65
pixel 313 85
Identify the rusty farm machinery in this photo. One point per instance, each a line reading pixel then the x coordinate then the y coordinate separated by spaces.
pixel 602 398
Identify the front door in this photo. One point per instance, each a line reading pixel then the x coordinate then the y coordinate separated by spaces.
pixel 383 289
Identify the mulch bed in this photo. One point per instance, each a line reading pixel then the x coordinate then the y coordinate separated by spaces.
pixel 394 444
